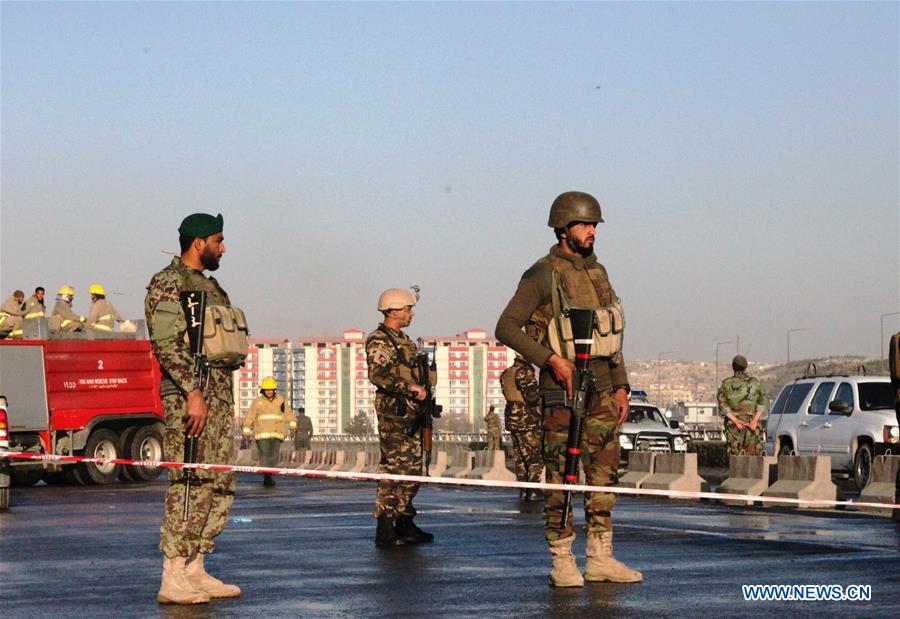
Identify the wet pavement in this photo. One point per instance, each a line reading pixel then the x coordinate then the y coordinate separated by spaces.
pixel 305 549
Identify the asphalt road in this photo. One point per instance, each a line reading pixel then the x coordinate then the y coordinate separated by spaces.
pixel 305 549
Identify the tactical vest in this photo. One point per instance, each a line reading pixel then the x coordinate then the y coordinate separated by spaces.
pixel 894 357
pixel 224 326
pixel 588 288
pixel 511 392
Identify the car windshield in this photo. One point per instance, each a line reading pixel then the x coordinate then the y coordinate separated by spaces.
pixel 645 414
pixel 874 396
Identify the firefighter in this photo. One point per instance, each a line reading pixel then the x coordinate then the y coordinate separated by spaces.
pixel 63 318
pixel 270 421
pixel 11 314
pixel 103 316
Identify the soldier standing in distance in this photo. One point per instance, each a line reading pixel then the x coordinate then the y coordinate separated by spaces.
pixel 523 420
pixel 571 273
pixel 494 433
pixel 304 430
pixel 205 413
pixel 389 352
pixel 741 402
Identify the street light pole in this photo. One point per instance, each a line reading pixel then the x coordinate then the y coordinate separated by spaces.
pixel 883 316
pixel 789 331
pixel 659 384
pixel 716 386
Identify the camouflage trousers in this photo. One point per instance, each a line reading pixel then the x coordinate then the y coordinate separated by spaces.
pixel 527 448
pixel 495 440
pixel 209 501
pixel 743 442
pixel 400 455
pixel 599 457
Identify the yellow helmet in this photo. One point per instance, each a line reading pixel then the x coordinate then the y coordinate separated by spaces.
pixel 268 383
pixel 97 289
pixel 66 291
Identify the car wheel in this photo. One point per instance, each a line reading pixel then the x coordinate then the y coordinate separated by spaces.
pixel 785 449
pixel 862 466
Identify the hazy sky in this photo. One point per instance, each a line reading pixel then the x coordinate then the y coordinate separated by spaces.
pixel 745 156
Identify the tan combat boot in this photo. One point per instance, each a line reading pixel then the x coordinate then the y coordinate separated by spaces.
pixel 175 587
pixel 211 586
pixel 565 571
pixel 602 565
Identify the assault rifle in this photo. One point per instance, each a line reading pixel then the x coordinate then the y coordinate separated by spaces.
pixel 583 390
pixel 428 409
pixel 194 305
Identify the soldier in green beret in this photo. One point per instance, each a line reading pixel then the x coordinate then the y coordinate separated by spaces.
pixel 206 413
pixel 742 399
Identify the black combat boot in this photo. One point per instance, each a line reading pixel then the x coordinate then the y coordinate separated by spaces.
pixel 408 531
pixel 523 494
pixel 385 536
pixel 534 494
pixel 268 482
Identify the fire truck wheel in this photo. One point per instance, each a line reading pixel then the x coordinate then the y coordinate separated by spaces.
pixel 125 437
pixel 73 476
pixel 145 444
pixel 101 443
pixel 20 476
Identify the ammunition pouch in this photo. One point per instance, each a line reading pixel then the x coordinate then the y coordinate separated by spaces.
pixel 609 327
pixel 511 392
pixel 225 336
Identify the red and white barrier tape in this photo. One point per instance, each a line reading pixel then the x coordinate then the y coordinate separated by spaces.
pixel 450 481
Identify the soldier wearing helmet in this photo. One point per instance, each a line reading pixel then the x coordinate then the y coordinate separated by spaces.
pixel 389 352
pixel 63 319
pixel 103 316
pixel 742 399
pixel 269 421
pixel 570 276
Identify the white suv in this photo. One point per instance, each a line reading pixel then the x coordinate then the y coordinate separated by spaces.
pixel 850 418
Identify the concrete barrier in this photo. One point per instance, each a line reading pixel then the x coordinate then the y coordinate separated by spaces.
pixel 438 464
pixel 490 465
pixel 750 475
pixel 373 459
pixel 882 488
pixel 465 464
pixel 804 477
pixel 336 461
pixel 316 458
pixel 244 457
pixel 673 471
pixel 640 468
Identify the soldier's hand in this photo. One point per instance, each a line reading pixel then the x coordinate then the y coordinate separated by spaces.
pixel 752 426
pixel 562 371
pixel 195 420
pixel 418 392
pixel 620 396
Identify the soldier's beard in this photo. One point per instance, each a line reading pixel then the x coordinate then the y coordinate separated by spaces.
pixel 209 260
pixel 582 249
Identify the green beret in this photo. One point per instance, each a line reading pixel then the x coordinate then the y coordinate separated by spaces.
pixel 739 362
pixel 201 225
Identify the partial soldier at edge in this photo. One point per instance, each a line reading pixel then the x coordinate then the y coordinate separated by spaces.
pixel 522 418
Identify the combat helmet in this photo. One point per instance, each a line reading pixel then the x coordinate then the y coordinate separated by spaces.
pixel 395 298
pixel 574 206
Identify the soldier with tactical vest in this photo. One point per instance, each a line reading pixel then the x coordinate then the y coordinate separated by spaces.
pixel 269 421
pixel 569 276
pixel 523 421
pixel 63 319
pixel 103 316
pixel 494 432
pixel 12 312
pixel 741 400
pixel 204 411
pixel 389 354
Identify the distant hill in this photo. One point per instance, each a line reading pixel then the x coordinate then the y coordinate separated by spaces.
pixel 681 381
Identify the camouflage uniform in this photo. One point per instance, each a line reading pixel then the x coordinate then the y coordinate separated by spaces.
pixel 210 501
pixel 742 395
pixel 531 308
pixel 523 419
pixel 388 354
pixel 494 433
pixel 304 431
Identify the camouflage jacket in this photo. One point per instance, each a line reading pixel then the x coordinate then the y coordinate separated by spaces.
pixel 492 421
pixel 531 308
pixel 741 394
pixel 525 415
pixel 388 355
pixel 168 330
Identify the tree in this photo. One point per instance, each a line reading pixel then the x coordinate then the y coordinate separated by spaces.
pixel 359 425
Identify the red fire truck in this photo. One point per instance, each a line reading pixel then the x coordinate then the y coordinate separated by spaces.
pixel 92 397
